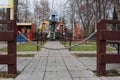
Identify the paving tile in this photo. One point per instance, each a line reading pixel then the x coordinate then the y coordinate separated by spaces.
pixel 61 68
pixel 6 79
pixel 23 77
pixel 89 79
pixel 50 76
pixel 110 78
pixel 64 75
pixel 57 65
pixel 37 76
pixel 103 78
pixel 51 68
pixel 76 79
pixel 83 74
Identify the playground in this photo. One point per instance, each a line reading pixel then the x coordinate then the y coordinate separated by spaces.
pixel 52 50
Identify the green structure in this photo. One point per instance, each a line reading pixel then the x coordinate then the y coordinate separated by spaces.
pixel 52 34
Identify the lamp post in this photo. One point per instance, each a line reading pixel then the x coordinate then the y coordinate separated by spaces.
pixel 64 38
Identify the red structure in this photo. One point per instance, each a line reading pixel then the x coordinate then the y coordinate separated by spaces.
pixel 27 29
pixel 104 35
pixel 61 27
pixel 77 34
pixel 9 36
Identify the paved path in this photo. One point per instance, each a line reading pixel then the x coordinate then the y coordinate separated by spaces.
pixel 57 65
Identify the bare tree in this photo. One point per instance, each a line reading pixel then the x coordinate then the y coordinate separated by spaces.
pixel 3 14
pixel 41 10
pixel 15 9
pixel 117 8
pixel 24 12
pixel 89 12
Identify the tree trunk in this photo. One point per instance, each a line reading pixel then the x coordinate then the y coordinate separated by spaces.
pixel 114 14
pixel 117 8
pixel 8 14
pixel 15 9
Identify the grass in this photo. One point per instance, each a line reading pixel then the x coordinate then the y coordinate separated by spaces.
pixel 26 47
pixel 110 73
pixel 113 72
pixel 87 46
pixel 85 43
pixel 84 48
pixel 23 47
pixel 4 74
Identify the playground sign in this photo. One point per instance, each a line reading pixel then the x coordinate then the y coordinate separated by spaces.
pixel 6 3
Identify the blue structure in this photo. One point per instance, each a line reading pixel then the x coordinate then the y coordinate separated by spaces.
pixel 19 38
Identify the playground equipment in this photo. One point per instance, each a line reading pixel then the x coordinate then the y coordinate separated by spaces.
pixel 57 28
pixel 104 36
pixel 77 34
pixel 52 23
pixel 43 31
pixel 60 30
pixel 10 37
pixel 27 29
pixel 44 26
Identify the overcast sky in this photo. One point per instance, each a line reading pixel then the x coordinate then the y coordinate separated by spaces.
pixel 4 2
pixel 56 5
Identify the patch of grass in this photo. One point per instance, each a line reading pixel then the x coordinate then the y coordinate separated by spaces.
pixel 113 72
pixel 85 43
pixel 4 74
pixel 110 73
pixel 88 48
pixel 26 47
pixel 23 47
pixel 25 55
pixel 89 43
pixel 84 48
pixel 84 55
pixel 3 49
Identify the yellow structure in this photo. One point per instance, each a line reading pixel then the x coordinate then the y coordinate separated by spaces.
pixel 43 25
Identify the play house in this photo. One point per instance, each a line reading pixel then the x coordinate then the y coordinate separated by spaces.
pixel 27 29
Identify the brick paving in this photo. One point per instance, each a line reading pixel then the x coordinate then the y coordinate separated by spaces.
pixel 57 65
